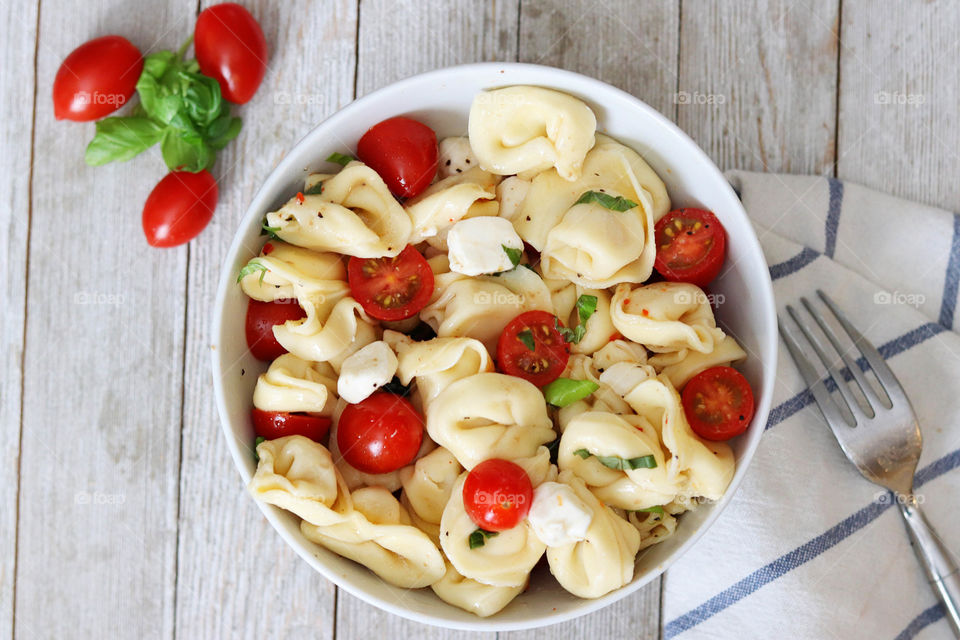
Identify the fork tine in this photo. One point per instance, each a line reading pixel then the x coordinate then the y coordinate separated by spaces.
pixel 831 411
pixel 888 381
pixel 873 398
pixel 852 405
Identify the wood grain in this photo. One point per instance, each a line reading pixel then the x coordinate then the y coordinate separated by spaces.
pixel 629 44
pixel 17 95
pixel 758 83
pixel 237 578
pixel 899 90
pixel 103 375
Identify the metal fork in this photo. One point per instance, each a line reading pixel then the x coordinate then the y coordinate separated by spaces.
pixel 881 438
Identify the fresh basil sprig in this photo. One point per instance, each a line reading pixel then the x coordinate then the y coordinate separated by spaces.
pixel 653 509
pixel 256 443
pixel 622 464
pixel 586 307
pixel 340 158
pixel 479 537
pixel 618 203
pixel 565 391
pixel 315 190
pixel 267 230
pixel 526 337
pixel 513 254
pixel 180 108
pixel 252 267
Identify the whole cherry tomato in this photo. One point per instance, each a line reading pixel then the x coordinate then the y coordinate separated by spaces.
pixel 230 48
pixel 261 318
pixel 179 207
pixel 380 434
pixel 96 79
pixel 404 153
pixel 497 494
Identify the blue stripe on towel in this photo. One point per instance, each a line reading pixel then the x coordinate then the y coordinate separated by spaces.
pixel 833 216
pixel 918 624
pixel 794 264
pixel 889 349
pixel 802 554
pixel 951 281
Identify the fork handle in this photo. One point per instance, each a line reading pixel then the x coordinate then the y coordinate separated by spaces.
pixel 937 561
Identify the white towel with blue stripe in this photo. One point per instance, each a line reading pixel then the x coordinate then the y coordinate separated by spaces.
pixel 807 548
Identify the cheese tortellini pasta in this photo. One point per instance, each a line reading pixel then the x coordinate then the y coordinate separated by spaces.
pixel 666 316
pixel 292 384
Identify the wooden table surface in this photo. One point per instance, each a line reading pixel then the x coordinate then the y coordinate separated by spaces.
pixel 123 516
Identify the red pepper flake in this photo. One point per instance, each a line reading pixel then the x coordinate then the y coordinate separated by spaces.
pixel 626 301
pixel 267 248
pixel 616 336
pixel 299 197
pixel 644 313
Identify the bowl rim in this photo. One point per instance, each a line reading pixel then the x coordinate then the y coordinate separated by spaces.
pixel 287 167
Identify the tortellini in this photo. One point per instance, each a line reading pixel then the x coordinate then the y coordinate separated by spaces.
pixel 297 474
pixel 680 366
pixel 481 307
pixel 490 415
pixel 481 599
pixel 599 327
pixel 666 316
pixel 355 215
pixel 330 332
pixel 437 363
pixel 292 384
pixel 287 272
pixel 446 202
pixel 604 561
pixel 595 434
pixel 378 534
pixel 426 489
pixel 524 129
pixel 654 526
pixel 504 560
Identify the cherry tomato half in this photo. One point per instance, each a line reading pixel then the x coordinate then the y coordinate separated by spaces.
pixel 691 246
pixel 718 403
pixel 404 153
pixel 545 361
pixel 497 494
pixel 96 79
pixel 277 424
pixel 261 318
pixel 391 288
pixel 380 434
pixel 179 208
pixel 230 48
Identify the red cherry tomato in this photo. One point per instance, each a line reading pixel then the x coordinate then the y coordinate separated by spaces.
pixel 497 494
pixel 404 153
pixel 691 246
pixel 179 207
pixel 230 47
pixel 391 288
pixel 547 359
pixel 718 403
pixel 96 79
pixel 277 424
pixel 380 434
pixel 261 318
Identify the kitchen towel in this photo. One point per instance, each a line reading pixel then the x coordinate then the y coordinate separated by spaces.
pixel 808 548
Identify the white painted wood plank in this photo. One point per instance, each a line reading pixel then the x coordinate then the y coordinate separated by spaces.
pixel 628 43
pixel 103 372
pixel 758 83
pixel 401 38
pixel 237 578
pixel 17 61
pixel 899 90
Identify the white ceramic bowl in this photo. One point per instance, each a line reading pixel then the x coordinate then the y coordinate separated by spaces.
pixel 442 100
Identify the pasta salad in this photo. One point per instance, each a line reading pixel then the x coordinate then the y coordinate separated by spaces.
pixel 489 352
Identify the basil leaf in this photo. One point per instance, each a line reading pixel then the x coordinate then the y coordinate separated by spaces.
pixel 586 307
pixel 513 254
pixel 256 443
pixel 156 64
pixel 202 100
pixel 654 509
pixel 573 336
pixel 526 337
pixel 315 190
pixel 230 131
pixel 186 153
pixel 267 230
pixel 565 391
pixel 622 464
pixel 479 537
pixel 618 203
pixel 119 139
pixel 252 267
pixel 340 158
